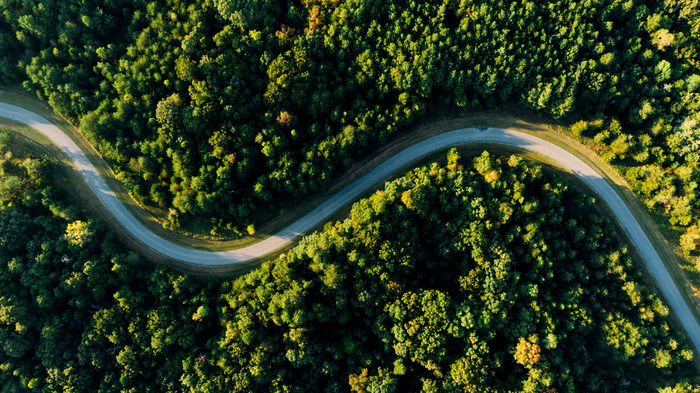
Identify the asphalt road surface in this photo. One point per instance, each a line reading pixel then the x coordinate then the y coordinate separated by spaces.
pixel 377 175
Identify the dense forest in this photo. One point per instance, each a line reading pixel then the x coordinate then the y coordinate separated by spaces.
pixel 518 288
pixel 483 276
pixel 229 108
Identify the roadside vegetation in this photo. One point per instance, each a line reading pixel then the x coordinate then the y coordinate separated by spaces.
pixel 221 115
pixel 230 111
pixel 518 288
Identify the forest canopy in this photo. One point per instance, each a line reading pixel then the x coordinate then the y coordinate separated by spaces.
pixel 228 108
pixel 494 277
pixel 491 278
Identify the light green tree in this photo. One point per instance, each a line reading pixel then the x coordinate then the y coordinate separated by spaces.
pixel 78 233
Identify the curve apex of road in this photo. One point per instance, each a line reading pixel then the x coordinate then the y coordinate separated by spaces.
pixel 381 172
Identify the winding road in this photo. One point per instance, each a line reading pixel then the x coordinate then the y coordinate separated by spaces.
pixel 382 172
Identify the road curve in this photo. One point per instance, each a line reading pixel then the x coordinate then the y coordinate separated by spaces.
pixel 382 172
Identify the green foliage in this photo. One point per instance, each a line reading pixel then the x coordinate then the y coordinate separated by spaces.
pixel 77 311
pixel 233 109
pixel 452 159
pixel 690 240
pixel 426 286
pixel 507 284
pixel 78 233
pixel 10 49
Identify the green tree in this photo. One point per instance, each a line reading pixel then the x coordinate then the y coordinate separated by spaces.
pixel 78 233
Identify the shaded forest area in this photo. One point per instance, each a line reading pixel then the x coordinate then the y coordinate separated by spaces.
pixel 228 109
pixel 517 288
